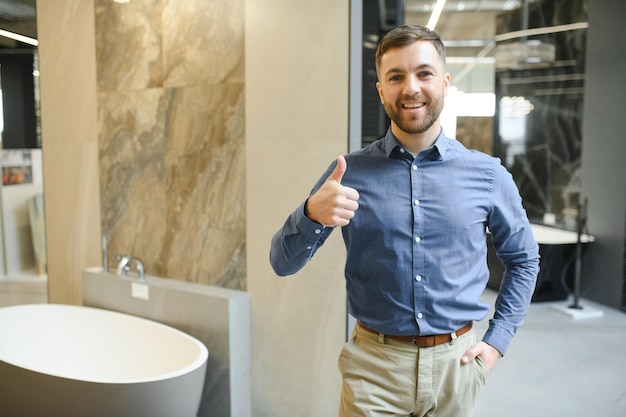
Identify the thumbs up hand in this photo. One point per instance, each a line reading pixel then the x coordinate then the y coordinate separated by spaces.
pixel 333 204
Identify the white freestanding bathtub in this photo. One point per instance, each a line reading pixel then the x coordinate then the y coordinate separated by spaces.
pixel 62 360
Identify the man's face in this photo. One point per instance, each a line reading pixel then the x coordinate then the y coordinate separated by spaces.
pixel 412 86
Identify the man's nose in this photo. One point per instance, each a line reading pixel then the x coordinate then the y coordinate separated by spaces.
pixel 412 85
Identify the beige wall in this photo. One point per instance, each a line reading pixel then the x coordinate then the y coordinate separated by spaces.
pixel 296 124
pixel 69 143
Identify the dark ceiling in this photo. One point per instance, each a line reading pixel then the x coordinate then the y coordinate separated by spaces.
pixel 17 16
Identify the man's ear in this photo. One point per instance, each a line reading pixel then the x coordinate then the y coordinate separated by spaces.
pixel 380 92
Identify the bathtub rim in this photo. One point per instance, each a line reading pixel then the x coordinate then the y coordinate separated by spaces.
pixel 197 364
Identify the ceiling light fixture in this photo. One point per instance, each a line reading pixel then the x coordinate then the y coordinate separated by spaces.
pixel 18 37
pixel 434 17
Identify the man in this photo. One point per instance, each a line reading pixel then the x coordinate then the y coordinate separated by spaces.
pixel 414 208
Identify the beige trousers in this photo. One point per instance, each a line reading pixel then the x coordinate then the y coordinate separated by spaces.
pixel 392 378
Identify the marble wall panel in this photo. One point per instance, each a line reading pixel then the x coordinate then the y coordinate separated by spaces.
pixel 129 44
pixel 202 42
pixel 172 157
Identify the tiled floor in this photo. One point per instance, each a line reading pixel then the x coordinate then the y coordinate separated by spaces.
pixel 560 366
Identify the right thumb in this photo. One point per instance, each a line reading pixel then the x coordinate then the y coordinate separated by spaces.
pixel 340 169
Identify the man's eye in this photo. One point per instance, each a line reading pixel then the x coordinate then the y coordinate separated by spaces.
pixel 395 78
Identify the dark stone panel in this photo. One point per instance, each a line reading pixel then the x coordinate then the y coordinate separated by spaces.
pixel 538 120
pixel 379 16
pixel 18 101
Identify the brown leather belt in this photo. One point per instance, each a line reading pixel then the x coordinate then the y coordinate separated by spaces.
pixel 422 341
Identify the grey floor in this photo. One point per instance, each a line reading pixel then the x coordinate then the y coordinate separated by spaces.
pixel 560 366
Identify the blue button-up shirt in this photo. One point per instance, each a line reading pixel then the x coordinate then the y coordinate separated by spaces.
pixel 416 247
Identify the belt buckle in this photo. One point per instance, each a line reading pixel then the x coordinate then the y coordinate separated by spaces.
pixel 425 341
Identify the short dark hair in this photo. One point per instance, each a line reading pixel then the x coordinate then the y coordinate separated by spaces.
pixel 406 35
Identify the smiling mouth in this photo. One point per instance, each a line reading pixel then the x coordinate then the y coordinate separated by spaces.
pixel 411 106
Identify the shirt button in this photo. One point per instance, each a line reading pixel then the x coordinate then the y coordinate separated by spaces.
pixel 318 231
pixel 418 278
pixel 417 239
pixel 420 315
pixel 401 150
pixel 416 202
pixel 414 167
pixel 309 247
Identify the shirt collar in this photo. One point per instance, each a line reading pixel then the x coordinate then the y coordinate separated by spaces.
pixel 437 151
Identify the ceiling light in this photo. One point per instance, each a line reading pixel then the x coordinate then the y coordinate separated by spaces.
pixel 434 17
pixel 18 37
pixel 511 4
pixel 515 106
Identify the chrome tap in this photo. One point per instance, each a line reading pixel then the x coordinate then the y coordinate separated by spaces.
pixel 124 263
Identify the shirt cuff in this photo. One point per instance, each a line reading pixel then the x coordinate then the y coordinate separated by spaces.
pixel 306 225
pixel 498 337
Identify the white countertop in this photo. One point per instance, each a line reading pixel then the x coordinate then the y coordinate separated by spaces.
pixel 546 235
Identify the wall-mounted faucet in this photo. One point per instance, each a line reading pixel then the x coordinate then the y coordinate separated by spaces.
pixel 124 263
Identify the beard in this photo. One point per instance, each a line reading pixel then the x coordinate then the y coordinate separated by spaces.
pixel 413 124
